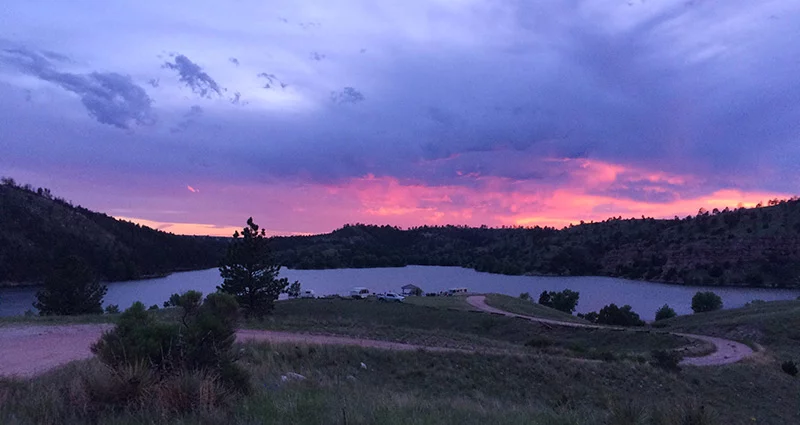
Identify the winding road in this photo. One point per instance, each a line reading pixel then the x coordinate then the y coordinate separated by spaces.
pixel 29 350
pixel 726 351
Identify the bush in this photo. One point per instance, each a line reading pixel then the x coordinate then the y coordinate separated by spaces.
pixel 173 300
pixel 202 342
pixel 616 316
pixel 112 309
pixel 789 367
pixel 666 359
pixel 525 296
pixel 591 316
pixel 565 300
pixel 665 312
pixel 706 301
pixel 153 307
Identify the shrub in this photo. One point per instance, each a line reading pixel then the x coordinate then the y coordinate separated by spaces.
pixel 706 301
pixel 754 302
pixel 565 300
pixel 112 309
pixel 616 316
pixel 789 367
pixel 153 307
pixel 666 359
pixel 590 316
pixel 173 300
pixel 525 296
pixel 201 342
pixel 665 312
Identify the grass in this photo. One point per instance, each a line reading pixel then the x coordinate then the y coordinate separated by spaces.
pixel 774 325
pixel 58 320
pixel 529 308
pixel 457 328
pixel 433 388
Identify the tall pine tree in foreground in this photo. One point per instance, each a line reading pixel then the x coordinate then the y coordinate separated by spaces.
pixel 71 289
pixel 250 273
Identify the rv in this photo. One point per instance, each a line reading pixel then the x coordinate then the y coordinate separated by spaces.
pixel 359 293
pixel 308 293
pixel 456 291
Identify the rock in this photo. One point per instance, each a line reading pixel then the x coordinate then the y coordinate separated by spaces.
pixel 294 376
pixel 363 366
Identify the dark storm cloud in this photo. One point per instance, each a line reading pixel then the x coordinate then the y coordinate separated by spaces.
pixel 193 76
pixel 347 95
pixel 109 97
pixel 190 117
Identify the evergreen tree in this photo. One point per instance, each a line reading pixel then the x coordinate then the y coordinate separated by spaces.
pixel 250 273
pixel 71 289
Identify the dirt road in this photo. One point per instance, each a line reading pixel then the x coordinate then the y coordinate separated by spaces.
pixel 726 352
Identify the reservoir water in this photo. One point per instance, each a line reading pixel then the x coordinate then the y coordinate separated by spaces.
pixel 595 292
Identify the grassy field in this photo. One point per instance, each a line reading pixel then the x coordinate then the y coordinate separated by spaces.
pixel 449 326
pixel 529 308
pixel 433 388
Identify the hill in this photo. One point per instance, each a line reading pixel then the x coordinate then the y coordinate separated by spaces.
pixel 753 247
pixel 37 228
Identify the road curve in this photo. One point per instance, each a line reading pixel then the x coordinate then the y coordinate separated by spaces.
pixel 726 351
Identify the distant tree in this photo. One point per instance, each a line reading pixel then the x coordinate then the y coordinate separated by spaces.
pixel 545 300
pixel 706 301
pixel 250 273
pixel 665 312
pixel 173 301
pixel 71 289
pixel 294 290
pixel 525 296
pixel 618 316
pixel 112 309
pixel 565 300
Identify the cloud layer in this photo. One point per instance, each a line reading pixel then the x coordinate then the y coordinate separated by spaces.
pixel 467 112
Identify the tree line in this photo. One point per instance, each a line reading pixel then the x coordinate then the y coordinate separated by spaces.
pixel 748 247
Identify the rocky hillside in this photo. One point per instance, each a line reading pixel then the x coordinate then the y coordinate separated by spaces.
pixel 753 247
pixel 37 228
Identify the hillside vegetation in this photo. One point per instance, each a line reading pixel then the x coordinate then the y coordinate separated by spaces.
pixel 753 247
pixel 37 229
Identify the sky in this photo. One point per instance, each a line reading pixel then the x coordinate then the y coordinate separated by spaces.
pixel 191 116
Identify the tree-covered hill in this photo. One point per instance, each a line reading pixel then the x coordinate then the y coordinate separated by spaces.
pixel 36 229
pixel 755 247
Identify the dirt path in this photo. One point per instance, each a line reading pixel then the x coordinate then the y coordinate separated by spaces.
pixel 726 352
pixel 28 350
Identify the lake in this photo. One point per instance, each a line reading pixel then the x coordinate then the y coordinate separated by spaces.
pixel 595 292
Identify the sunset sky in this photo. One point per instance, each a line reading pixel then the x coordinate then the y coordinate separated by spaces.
pixel 191 116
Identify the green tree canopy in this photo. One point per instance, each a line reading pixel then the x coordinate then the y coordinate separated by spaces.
pixel 706 301
pixel 71 289
pixel 250 273
pixel 619 316
pixel 566 300
pixel 665 312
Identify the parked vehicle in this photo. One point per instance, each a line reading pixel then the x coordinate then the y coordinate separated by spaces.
pixel 308 293
pixel 456 291
pixel 359 293
pixel 391 296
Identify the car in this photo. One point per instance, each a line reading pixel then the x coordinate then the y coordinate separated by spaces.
pixel 359 293
pixel 391 296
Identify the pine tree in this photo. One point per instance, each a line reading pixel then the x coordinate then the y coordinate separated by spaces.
pixel 250 273
pixel 71 289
